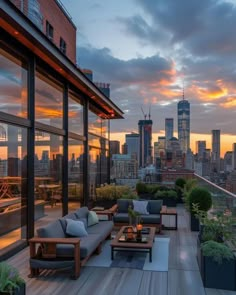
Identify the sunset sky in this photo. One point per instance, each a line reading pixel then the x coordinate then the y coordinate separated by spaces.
pixel 148 50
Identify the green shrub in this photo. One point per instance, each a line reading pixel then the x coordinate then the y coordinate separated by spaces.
pixel 152 188
pixel 112 192
pixel 166 194
pixel 180 183
pixel 141 188
pixel 218 251
pixel 200 196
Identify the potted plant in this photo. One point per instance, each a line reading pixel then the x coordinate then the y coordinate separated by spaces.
pixel 134 216
pixel 10 281
pixel 217 266
pixel 142 190
pixel 201 197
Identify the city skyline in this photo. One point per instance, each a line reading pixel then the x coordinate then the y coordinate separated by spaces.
pixel 150 50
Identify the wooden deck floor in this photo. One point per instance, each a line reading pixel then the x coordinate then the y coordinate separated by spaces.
pixel 183 277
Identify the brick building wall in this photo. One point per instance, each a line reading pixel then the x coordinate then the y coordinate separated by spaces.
pixel 62 25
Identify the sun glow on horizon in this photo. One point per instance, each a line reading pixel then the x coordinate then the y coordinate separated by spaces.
pixel 227 140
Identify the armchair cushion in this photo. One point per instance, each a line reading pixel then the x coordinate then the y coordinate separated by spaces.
pixel 123 205
pixel 140 207
pixel 154 206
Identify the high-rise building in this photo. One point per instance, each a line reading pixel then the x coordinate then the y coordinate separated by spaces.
pixel 215 155
pixel 114 147
pixel 169 128
pixel 145 147
pixel 184 124
pixel 132 141
pixel 200 149
pixel 234 157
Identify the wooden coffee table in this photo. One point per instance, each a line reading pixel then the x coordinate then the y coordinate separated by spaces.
pixel 148 234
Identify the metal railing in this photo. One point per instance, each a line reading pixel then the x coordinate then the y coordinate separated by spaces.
pixel 223 201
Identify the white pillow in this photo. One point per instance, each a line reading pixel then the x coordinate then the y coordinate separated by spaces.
pixel 140 207
pixel 92 218
pixel 75 228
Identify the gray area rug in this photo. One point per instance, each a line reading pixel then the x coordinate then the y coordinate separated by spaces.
pixel 137 260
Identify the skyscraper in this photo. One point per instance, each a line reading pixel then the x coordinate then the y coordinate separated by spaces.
pixel 184 124
pixel 169 129
pixel 145 147
pixel 200 149
pixel 215 156
pixel 234 157
pixel 132 141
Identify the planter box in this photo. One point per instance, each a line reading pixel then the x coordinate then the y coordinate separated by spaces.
pixel 20 291
pixel 194 223
pixel 169 202
pixel 214 275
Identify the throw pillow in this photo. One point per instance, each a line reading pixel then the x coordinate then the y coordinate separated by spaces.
pixel 75 228
pixel 92 218
pixel 140 207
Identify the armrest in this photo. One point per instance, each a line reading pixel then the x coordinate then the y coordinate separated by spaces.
pixel 114 208
pixel 37 240
pixel 48 248
pixel 163 209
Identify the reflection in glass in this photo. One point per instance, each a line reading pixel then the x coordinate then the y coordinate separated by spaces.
pixel 48 101
pixel 13 85
pixel 94 123
pixel 13 152
pixel 48 172
pixel 75 115
pixel 75 174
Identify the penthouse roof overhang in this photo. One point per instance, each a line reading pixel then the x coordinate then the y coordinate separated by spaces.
pixel 21 28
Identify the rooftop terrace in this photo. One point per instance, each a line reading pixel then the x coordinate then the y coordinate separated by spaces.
pixel 182 278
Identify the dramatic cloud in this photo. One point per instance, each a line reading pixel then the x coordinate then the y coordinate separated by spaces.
pixel 149 50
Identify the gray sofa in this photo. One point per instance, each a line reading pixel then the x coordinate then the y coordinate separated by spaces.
pixel 54 234
pixel 151 218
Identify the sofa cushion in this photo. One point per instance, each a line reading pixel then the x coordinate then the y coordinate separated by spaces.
pixel 52 230
pixel 82 212
pixel 154 206
pixel 123 205
pixel 88 244
pixel 92 218
pixel 121 217
pixel 151 219
pixel 75 228
pixel 103 229
pixel 140 206
pixel 63 220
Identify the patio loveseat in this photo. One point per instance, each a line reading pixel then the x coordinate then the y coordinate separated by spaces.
pixel 149 212
pixel 68 242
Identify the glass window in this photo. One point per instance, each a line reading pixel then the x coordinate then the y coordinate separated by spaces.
pixel 13 184
pixel 49 30
pixel 62 45
pixel 48 101
pixel 94 123
pixel 75 173
pixel 75 115
pixel 105 129
pixel 48 173
pixel 13 85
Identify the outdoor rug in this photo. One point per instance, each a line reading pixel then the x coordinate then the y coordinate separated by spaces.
pixel 137 260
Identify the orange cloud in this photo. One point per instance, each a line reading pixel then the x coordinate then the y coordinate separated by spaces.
pixel 231 102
